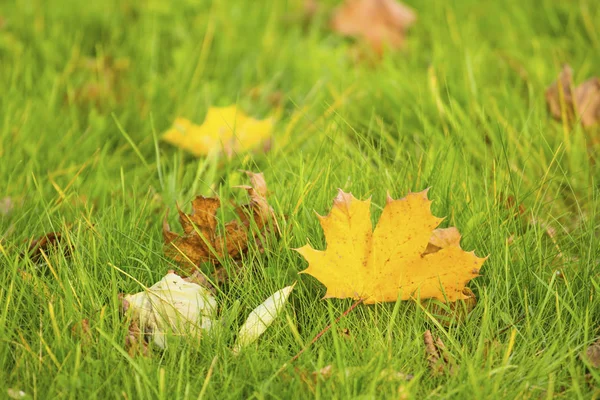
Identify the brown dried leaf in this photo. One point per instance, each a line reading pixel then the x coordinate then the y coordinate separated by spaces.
pixel 135 343
pixel 42 245
pixel 378 22
pixel 439 359
pixel 81 331
pixel 574 102
pixel 592 354
pixel 6 206
pixel 199 278
pixel 201 241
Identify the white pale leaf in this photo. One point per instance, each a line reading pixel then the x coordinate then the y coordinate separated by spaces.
pixel 173 304
pixel 261 318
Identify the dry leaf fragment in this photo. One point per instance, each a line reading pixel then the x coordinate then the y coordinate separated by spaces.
pixel 389 262
pixel 81 330
pixel 378 22
pixel 592 354
pixel 201 241
pixel 172 304
pixel 440 361
pixel 261 318
pixel 225 129
pixel 580 102
pixel 16 394
pixel 135 341
pixel 6 206
pixel 43 244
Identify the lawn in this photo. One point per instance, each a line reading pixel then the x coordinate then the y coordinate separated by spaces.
pixel 87 89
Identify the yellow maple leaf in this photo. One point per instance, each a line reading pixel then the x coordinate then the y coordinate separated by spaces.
pixel 390 262
pixel 225 129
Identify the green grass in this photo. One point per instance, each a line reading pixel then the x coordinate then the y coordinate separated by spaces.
pixel 461 110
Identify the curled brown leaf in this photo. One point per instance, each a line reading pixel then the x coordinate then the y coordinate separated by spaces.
pixel 378 22
pixel 565 100
pixel 202 242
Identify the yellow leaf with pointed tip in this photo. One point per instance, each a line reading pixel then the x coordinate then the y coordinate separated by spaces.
pixel 389 262
pixel 225 129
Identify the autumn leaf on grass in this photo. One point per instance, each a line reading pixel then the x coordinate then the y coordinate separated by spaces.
pixel 261 318
pixel 592 354
pixel 378 22
pixel 201 241
pixel 393 261
pixel 171 304
pixel 440 360
pixel 226 129
pixel 41 247
pixel 567 101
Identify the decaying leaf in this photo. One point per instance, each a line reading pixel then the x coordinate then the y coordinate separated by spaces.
pixel 42 245
pixel 226 129
pixel 6 206
pixel 439 359
pixel 378 22
pixel 261 318
pixel 201 241
pixel 390 262
pixel 135 341
pixel 81 331
pixel 592 354
pixel 16 394
pixel 574 102
pixel 174 305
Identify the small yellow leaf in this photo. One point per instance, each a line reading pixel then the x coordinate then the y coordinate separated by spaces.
pixel 225 129
pixel 394 260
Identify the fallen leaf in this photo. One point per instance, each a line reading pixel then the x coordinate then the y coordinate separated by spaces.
pixel 135 341
pixel 171 304
pixel 6 206
pixel 309 9
pixel 201 241
pixel 199 278
pixel 16 394
pixel 574 102
pixel 81 331
pixel 324 372
pixel 345 333
pixel 261 318
pixel 592 354
pixel 42 245
pixel 378 22
pixel 226 130
pixel 390 262
pixel 440 361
